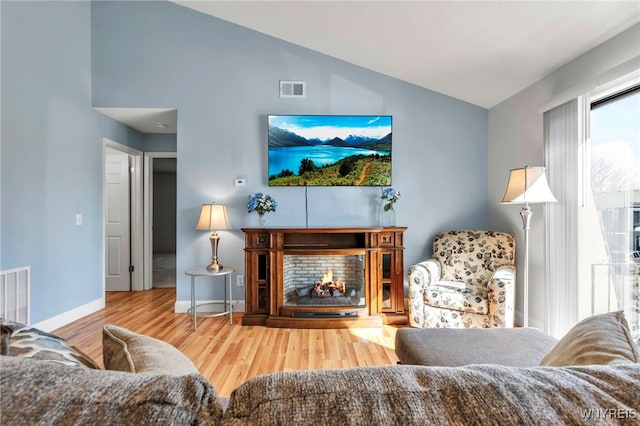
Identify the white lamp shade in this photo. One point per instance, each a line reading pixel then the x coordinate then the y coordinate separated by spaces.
pixel 213 217
pixel 528 185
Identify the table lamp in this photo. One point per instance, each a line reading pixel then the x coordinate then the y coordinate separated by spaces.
pixel 527 185
pixel 213 217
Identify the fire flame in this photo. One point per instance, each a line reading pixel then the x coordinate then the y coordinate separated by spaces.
pixel 328 276
pixel 328 283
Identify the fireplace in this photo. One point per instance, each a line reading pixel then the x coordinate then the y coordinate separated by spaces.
pixel 324 277
pixel 324 280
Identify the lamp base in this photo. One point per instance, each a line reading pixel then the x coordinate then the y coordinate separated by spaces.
pixel 214 267
pixel 526 214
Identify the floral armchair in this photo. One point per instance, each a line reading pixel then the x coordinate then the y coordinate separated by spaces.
pixel 469 282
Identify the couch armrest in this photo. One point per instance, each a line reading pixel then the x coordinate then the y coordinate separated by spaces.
pixel 47 392
pixel 501 296
pixel 421 275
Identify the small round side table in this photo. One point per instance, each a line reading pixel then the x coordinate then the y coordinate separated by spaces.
pixel 203 272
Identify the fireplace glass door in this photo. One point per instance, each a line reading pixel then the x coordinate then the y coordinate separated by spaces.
pixel 324 280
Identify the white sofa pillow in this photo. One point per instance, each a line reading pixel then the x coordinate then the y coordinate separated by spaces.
pixel 599 339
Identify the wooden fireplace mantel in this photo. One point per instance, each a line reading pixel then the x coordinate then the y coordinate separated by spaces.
pixel 383 252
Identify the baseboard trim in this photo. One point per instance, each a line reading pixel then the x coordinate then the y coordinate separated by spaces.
pixel 182 306
pixel 70 316
pixel 533 322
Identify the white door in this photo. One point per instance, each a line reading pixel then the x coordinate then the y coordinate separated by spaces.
pixel 117 221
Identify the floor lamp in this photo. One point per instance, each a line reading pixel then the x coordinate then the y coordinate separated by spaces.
pixel 526 186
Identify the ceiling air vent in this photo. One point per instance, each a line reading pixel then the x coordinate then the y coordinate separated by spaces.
pixel 292 89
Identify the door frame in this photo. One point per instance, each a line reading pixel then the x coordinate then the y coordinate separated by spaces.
pixel 148 213
pixel 136 217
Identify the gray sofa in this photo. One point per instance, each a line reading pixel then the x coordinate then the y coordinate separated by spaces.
pixel 596 388
pixel 453 347
pixel 44 392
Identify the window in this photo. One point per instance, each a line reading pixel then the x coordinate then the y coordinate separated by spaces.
pixel 592 154
pixel 609 217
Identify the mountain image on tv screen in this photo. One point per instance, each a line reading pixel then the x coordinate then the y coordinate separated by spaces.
pixel 329 150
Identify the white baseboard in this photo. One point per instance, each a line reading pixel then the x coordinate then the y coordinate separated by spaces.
pixel 533 322
pixel 70 316
pixel 182 306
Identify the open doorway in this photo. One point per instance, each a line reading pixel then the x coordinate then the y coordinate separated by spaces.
pixel 164 223
pixel 160 219
pixel 157 127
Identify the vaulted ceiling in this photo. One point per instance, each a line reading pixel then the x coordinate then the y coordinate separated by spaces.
pixel 482 52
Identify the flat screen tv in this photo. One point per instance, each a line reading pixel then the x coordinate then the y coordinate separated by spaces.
pixel 329 150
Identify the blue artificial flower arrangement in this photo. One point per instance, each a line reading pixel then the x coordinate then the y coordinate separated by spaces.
pixel 261 203
pixel 391 196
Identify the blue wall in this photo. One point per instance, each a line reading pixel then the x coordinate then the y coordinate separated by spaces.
pixel 223 79
pixel 160 142
pixel 51 154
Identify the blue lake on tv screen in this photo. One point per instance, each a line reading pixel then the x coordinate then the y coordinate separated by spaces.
pixel 289 157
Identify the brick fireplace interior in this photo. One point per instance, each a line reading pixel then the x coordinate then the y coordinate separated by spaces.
pixel 324 280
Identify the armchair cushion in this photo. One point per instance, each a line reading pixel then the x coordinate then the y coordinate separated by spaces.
pixel 458 296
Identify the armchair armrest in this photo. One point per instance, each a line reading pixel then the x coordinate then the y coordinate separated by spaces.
pixel 501 296
pixel 421 275
pixel 424 273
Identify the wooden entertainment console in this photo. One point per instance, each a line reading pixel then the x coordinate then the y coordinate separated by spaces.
pixel 380 249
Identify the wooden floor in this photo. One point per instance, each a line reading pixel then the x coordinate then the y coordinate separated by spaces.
pixel 226 354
